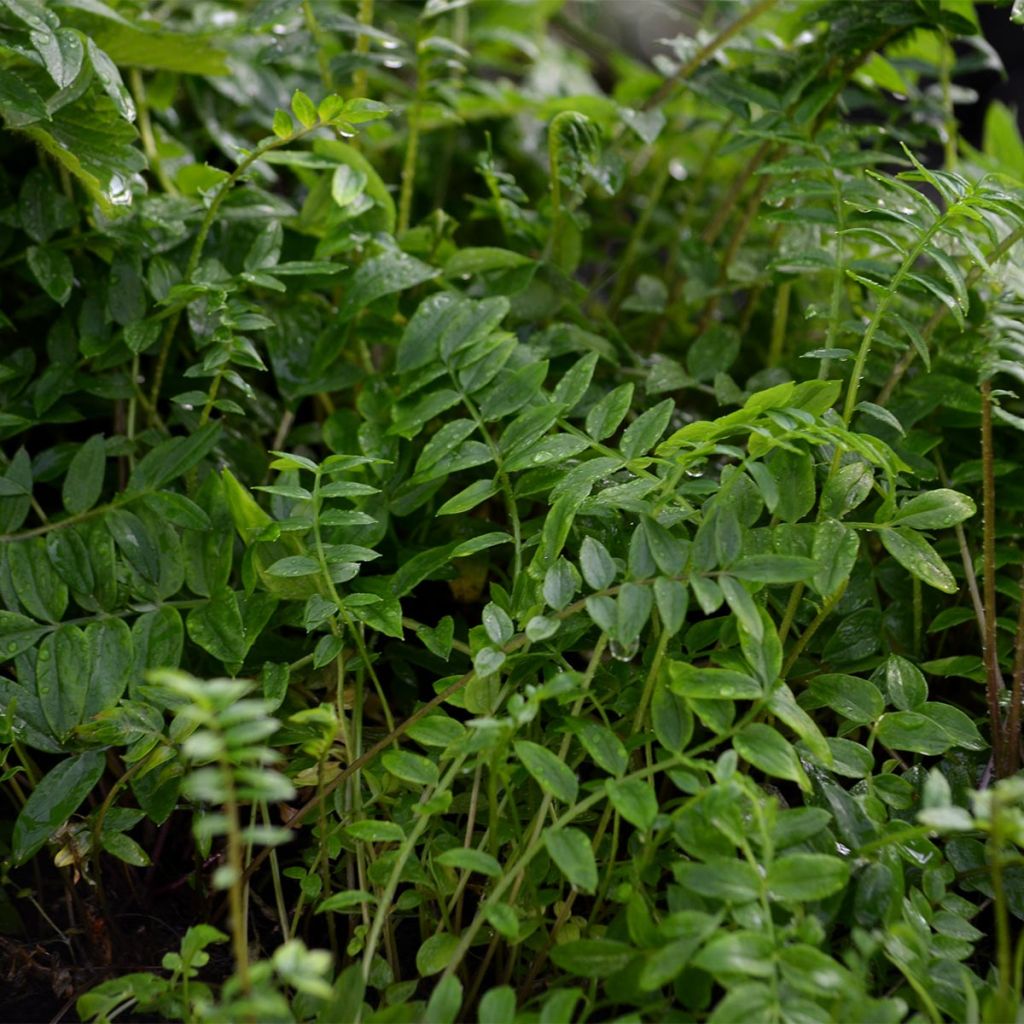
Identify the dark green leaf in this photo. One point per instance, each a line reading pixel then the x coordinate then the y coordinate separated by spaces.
pixel 50 804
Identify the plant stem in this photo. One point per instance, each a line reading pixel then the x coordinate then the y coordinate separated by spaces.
pixel 882 308
pixel 988 527
pixel 411 149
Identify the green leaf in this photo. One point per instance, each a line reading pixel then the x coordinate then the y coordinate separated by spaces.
pixel 794 477
pixel 853 698
pixel 282 124
pixel 124 848
pixel 304 109
pixel 604 418
pixel 217 627
pixel 444 1002
pixel 722 878
pixel 774 568
pixel 63 669
pixel 750 954
pixel 173 458
pixel 382 275
pixel 714 683
pixel 498 1005
pixel 690 928
pixel 768 750
pixel 481 543
pixel 592 958
pixel 20 104
pixel 436 953
pixel 742 605
pixel 835 550
pixel 498 625
pixel 37 586
pixel 919 558
pixel 634 799
pixel 573 855
pixel 83 481
pixel 347 185
pixel 632 610
pixel 53 270
pixel 601 744
pixel 569 391
pixel 17 633
pixel 482 259
pixel 803 877
pixel 645 431
pixel 468 859
pixel 550 773
pixel 294 566
pixel 110 661
pixel 469 497
pixel 375 831
pixel 596 564
pixel 560 583
pixel 909 730
pixel 668 551
pixel 935 510
pixel 671 719
pixel 52 802
pixel 346 899
pixel 134 46
pixel 883 415
pixel 135 542
pixel 409 767
pixel 904 682
pixel 671 598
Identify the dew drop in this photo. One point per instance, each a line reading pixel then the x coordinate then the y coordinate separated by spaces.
pixel 392 62
pixel 12 647
pixel 623 652
pixel 118 191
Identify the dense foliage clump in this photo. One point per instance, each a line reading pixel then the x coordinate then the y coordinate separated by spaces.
pixel 496 527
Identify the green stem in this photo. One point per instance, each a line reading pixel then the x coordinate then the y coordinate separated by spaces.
pixel 882 308
pixel 411 149
pixel 808 633
pixel 988 532
pixel 364 16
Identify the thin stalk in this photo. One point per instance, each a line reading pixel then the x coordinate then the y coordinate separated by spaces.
pixel 805 637
pixel 522 862
pixel 651 681
pixel 236 891
pixel 1006 1008
pixel 639 232
pixel 146 132
pixel 411 149
pixel 1016 694
pixel 364 16
pixel 988 527
pixel 504 480
pixel 881 309
pixel 404 853
pixel 780 318
pixel 323 63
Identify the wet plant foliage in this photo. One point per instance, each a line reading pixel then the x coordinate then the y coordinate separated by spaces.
pixel 498 527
